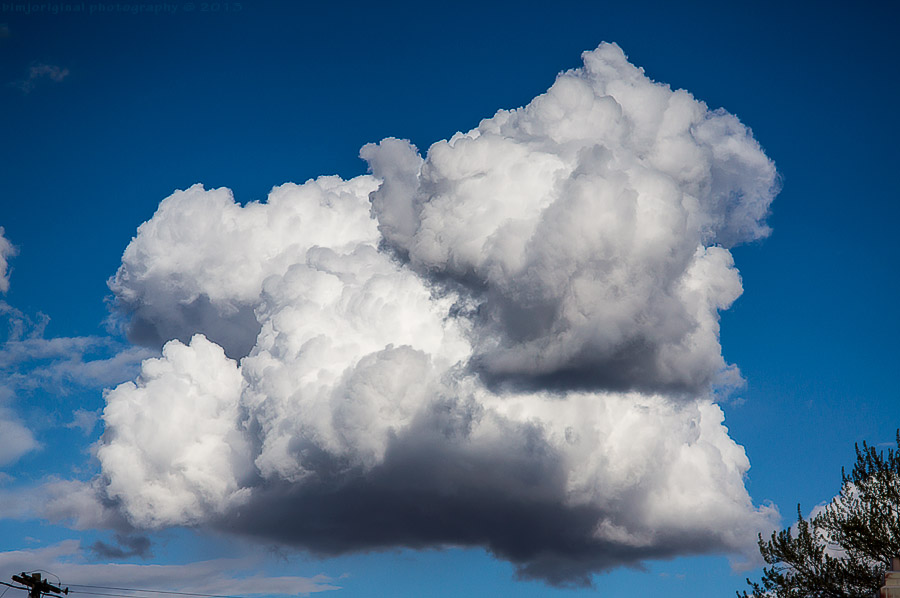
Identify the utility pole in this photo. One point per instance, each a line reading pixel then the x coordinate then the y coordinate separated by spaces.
pixel 36 586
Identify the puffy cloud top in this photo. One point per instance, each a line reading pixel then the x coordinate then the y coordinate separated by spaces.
pixel 186 475
pixel 589 227
pixel 199 264
pixel 507 343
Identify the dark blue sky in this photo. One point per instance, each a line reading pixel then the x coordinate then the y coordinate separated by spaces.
pixel 267 92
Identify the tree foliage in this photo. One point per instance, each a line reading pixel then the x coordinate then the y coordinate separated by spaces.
pixel 841 551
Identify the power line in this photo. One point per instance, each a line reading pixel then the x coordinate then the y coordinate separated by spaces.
pixel 134 592
pixel 9 585
pixel 75 585
pixel 136 595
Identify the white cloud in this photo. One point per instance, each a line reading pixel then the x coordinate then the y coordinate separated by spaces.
pixel 510 342
pixel 84 420
pixel 190 474
pixel 173 291
pixel 15 439
pixel 80 505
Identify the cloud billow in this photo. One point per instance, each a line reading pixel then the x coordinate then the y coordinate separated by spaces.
pixel 589 226
pixel 511 342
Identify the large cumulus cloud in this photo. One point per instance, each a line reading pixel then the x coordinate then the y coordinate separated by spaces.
pixel 511 342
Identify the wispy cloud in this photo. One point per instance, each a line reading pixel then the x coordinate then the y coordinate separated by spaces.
pixel 75 503
pixel 29 361
pixel 15 439
pixel 84 420
pixel 41 71
pixel 7 250
pixel 59 365
pixel 67 561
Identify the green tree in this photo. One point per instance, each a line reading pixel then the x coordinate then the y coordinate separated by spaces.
pixel 842 551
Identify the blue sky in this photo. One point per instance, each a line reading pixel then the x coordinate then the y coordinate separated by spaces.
pixel 105 115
